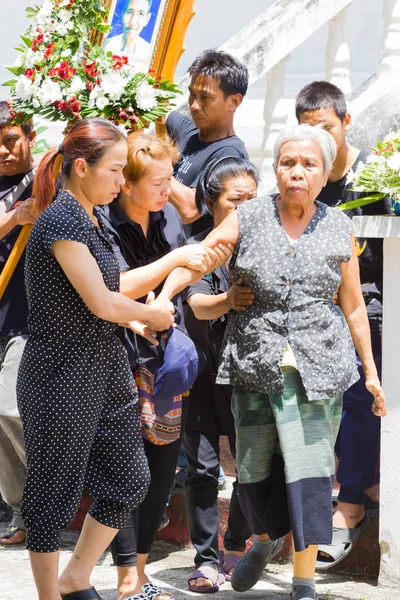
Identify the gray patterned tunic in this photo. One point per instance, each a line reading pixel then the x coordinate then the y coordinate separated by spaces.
pixel 293 284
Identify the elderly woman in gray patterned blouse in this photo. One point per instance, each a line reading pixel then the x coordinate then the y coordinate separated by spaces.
pixel 290 356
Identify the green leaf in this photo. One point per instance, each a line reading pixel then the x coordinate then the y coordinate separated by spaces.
pixel 16 70
pixel 361 201
pixel 31 12
pixel 26 40
pixel 9 83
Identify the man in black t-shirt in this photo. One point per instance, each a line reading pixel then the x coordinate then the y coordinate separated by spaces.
pixel 218 85
pixel 358 444
pixel 16 209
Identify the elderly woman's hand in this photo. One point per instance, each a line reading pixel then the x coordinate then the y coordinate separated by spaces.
pixel 379 404
pixel 240 296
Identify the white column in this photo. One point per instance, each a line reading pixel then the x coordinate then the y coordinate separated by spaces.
pixel 391 45
pixel 275 114
pixel 337 56
pixel 390 448
pixel 388 228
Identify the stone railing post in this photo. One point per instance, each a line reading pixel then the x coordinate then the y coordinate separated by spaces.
pixel 275 112
pixel 337 56
pixel 391 46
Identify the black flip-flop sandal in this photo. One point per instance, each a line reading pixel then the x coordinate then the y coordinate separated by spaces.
pixel 88 594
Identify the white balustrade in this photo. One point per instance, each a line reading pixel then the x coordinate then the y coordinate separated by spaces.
pixel 391 46
pixel 337 57
pixel 275 108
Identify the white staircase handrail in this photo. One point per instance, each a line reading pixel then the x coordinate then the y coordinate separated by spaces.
pixel 275 33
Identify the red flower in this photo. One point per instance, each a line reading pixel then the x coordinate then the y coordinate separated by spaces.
pixel 151 72
pixel 119 61
pixel 75 107
pixel 29 73
pixel 12 111
pixel 36 42
pixel 156 86
pixel 98 81
pixel 91 69
pixel 90 85
pixel 49 50
pixel 64 71
pixel 61 105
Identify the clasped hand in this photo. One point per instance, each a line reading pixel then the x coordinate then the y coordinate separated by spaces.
pixel 163 319
pixel 203 259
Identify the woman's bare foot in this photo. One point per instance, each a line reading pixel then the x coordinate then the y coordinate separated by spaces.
pixel 14 536
pixel 347 515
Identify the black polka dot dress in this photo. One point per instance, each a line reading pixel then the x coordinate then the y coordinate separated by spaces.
pixel 76 393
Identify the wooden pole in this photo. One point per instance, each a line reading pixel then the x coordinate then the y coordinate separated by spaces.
pixel 14 257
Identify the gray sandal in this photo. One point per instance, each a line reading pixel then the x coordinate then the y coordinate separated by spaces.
pixel 342 543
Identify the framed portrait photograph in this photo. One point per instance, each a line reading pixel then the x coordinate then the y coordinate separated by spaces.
pixel 149 32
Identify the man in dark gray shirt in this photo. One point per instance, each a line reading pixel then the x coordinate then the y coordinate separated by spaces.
pixel 218 84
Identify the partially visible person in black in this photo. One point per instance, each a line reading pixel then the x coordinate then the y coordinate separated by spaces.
pixel 16 210
pixel 218 84
pixel 358 444
pixel 224 184
pixel 147 231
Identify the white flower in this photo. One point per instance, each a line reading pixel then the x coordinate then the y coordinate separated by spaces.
pixel 23 88
pixel 77 84
pixel 373 158
pixel 43 17
pixel 146 96
pixel 96 91
pixel 350 176
pixel 66 53
pixel 101 102
pixel 30 59
pixel 35 103
pixel 18 61
pixel 49 92
pixel 113 84
pixel 394 161
pixel 393 135
pixel 64 15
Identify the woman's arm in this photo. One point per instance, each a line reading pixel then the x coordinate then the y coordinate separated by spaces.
pixel 83 272
pixel 352 304
pixel 139 282
pixel 206 307
pixel 222 240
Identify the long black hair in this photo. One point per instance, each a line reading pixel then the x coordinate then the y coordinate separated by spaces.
pixel 214 177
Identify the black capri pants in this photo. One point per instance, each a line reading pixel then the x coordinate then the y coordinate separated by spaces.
pixel 141 527
pixel 78 405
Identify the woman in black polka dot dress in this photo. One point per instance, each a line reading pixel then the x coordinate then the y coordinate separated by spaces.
pixel 76 393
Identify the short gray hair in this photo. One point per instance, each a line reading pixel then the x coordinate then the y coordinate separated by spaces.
pixel 304 132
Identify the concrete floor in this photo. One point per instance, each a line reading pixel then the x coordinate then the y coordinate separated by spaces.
pixel 170 567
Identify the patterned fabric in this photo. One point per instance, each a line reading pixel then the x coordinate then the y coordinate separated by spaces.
pixel 293 286
pixel 303 433
pixel 156 429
